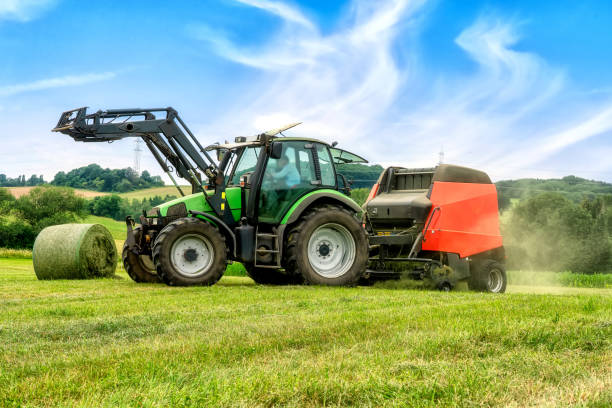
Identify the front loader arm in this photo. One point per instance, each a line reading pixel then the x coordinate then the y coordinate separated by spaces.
pixel 166 137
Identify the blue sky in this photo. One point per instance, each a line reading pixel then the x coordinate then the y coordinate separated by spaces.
pixel 516 88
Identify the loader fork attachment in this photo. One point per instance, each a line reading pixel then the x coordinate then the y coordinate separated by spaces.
pixel 167 138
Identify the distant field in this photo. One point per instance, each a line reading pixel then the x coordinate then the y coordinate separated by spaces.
pixel 138 194
pixel 113 342
pixel 116 228
pixel 156 191
pixel 20 191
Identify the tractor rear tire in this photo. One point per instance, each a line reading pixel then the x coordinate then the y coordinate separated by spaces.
pixel 488 276
pixel 265 276
pixel 139 267
pixel 327 246
pixel 189 252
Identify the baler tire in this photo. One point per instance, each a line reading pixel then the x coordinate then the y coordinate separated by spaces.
pixel 480 280
pixel 266 276
pixel 298 238
pixel 184 228
pixel 134 266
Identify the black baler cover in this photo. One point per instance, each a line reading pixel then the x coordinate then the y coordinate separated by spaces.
pixel 458 174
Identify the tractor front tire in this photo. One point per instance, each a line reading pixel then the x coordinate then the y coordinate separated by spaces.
pixel 266 276
pixel 189 252
pixel 327 246
pixel 488 276
pixel 139 267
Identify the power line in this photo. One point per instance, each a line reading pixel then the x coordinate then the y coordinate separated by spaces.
pixel 137 152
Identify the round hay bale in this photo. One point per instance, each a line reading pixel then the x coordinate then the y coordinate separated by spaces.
pixel 74 251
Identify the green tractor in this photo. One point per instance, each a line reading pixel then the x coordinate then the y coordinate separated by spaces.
pixel 274 203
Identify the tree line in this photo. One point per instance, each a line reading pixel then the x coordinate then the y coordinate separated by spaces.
pixel 548 231
pixel 117 208
pixel 573 188
pixel 91 177
pixel 21 181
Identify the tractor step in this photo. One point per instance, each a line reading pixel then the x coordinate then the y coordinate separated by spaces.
pixel 271 240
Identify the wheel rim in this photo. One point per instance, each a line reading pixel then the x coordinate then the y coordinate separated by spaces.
pixel 496 280
pixel 331 250
pixel 192 255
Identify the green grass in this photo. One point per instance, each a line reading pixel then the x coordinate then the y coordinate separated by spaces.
pixel 597 280
pixel 155 191
pixel 116 228
pixel 569 279
pixel 112 342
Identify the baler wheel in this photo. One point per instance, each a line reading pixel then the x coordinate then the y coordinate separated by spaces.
pixel 139 267
pixel 488 276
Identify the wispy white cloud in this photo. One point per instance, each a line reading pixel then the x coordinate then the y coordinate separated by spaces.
pixel 24 10
pixel 59 82
pixel 336 83
pixel 282 10
pixel 349 86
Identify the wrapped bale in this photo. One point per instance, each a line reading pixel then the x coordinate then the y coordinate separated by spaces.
pixel 74 251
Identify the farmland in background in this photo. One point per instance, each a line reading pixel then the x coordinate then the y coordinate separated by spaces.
pixel 138 194
pixel 155 191
pixel 21 191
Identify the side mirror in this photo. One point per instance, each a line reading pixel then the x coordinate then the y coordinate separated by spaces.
pixel 276 150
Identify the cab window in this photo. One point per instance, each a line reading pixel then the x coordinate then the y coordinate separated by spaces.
pixel 246 164
pixel 286 179
pixel 328 175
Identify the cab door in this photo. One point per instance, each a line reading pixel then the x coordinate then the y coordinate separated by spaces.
pixel 297 172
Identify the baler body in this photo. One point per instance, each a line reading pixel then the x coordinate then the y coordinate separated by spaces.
pixel 442 218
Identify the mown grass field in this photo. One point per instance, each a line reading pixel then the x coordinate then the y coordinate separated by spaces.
pixel 116 343
pixel 155 191
pixel 20 191
pixel 138 194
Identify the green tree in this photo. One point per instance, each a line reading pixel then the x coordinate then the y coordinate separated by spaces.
pixel 94 177
pixel 47 205
pixel 549 232
pixel 107 206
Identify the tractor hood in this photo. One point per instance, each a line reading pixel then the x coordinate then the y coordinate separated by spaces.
pixel 196 202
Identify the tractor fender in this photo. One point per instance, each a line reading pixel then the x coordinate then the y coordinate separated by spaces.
pixel 295 212
pixel 218 223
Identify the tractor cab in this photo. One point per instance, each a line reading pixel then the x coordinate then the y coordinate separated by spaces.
pixel 272 179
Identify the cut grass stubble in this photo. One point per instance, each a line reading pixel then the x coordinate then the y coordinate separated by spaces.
pixel 114 342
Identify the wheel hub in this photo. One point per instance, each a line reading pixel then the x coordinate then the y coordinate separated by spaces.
pixel 324 249
pixel 190 255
